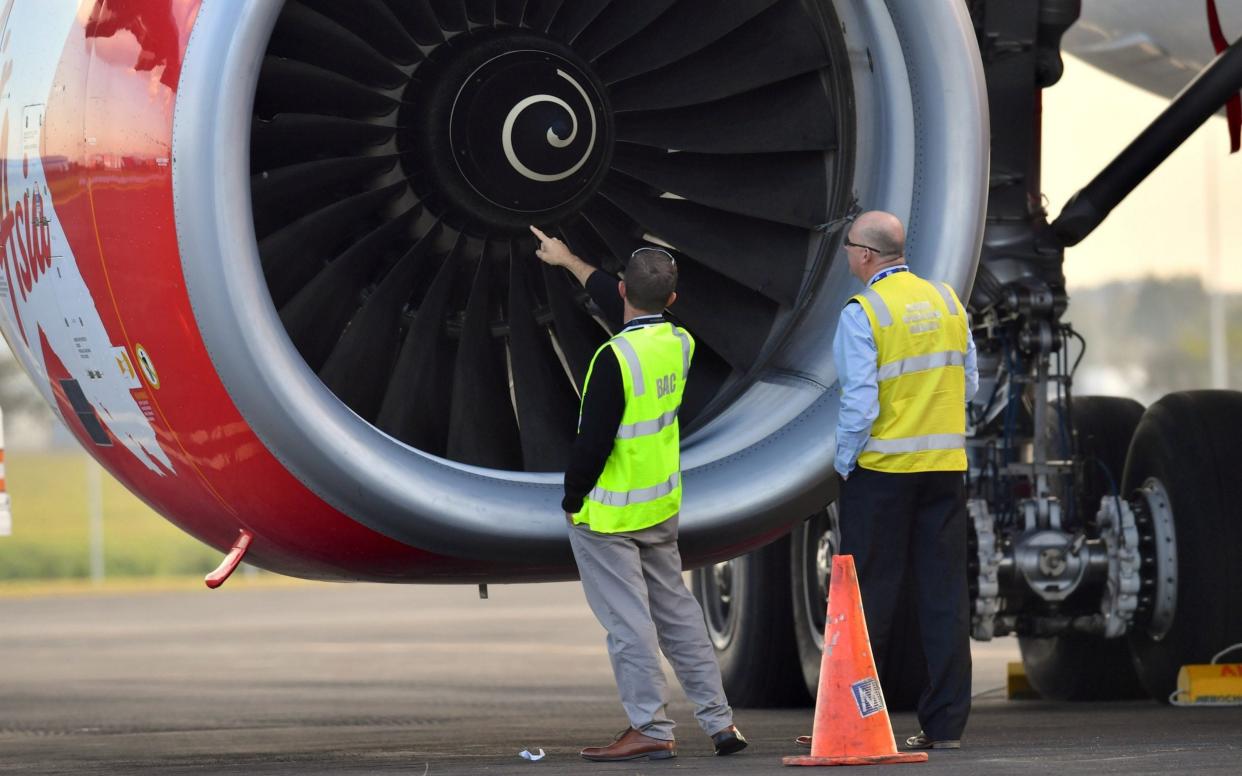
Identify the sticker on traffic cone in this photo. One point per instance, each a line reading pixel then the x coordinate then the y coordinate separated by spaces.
pixel 851 720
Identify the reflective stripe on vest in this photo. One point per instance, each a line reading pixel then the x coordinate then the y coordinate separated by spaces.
pixel 685 350
pixel 636 366
pixel 879 307
pixel 947 296
pixel 610 498
pixel 919 363
pixel 917 444
pixel 884 316
pixel 645 427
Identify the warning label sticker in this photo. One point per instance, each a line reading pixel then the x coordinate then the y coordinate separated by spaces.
pixel 868 697
pixel 147 366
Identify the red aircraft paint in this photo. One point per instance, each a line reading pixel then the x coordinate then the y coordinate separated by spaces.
pixel 104 148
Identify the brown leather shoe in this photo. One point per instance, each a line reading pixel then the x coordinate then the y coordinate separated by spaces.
pixel 631 745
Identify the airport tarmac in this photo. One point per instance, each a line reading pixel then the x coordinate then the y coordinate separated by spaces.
pixel 357 679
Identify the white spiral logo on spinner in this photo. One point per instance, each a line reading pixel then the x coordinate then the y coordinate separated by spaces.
pixel 506 137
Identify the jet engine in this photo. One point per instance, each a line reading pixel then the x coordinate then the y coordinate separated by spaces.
pixel 270 260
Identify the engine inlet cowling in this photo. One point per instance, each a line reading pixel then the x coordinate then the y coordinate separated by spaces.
pixel 368 289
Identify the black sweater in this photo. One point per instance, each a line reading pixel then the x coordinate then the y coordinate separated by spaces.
pixel 604 401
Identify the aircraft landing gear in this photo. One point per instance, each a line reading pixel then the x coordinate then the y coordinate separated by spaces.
pixel 746 606
pixel 1076 666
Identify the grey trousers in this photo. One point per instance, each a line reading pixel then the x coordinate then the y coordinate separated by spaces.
pixel 633 584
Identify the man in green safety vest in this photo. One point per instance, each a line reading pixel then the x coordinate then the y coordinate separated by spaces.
pixel 622 499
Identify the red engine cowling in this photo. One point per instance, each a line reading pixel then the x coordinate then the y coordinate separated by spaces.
pixel 267 260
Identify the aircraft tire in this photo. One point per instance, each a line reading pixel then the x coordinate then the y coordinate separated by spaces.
pixel 1188 442
pixel 904 673
pixel 746 604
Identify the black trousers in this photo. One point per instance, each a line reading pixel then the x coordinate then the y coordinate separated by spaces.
pixel 915 524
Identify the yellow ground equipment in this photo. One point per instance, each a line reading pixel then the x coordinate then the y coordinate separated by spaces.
pixel 1017 686
pixel 1215 684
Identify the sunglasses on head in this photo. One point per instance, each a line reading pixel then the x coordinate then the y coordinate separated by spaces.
pixel 668 255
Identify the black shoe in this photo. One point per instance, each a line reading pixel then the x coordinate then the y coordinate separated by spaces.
pixel 729 741
pixel 921 741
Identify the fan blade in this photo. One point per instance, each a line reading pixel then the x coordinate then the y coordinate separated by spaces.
pixel 482 428
pixel 416 404
pixel 766 257
pixel 287 86
pixel 585 241
pixel 374 22
pixel 687 27
pixel 788 188
pixel 284 195
pixel 481 11
pixel 417 18
pixel 510 11
pixel 316 315
pixel 616 230
pixel 791 116
pixel 292 138
pixel 540 13
pixel 307 36
pixel 617 24
pixel 708 374
pixel 359 367
pixel 778 44
pixel 452 14
pixel 296 253
pixel 580 234
pixel 703 295
pixel 573 17
pixel 577 333
pixel 546 403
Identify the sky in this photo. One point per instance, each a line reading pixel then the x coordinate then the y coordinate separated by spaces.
pixel 1164 227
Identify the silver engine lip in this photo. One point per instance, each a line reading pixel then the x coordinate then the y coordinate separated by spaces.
pixel 735 491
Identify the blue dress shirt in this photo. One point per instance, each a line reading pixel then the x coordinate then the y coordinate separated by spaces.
pixel 856 356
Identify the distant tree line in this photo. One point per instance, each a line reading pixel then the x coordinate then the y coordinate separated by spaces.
pixel 1156 331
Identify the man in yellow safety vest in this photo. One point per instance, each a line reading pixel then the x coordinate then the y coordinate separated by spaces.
pixel 907 367
pixel 622 500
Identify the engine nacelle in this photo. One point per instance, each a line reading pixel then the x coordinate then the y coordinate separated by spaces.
pixel 267 260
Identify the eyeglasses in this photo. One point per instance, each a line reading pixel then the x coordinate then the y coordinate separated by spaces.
pixel 653 249
pixel 848 243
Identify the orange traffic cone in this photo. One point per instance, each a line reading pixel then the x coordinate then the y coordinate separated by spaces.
pixel 851 720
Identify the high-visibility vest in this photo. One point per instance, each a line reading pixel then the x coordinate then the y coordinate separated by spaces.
pixel 921 337
pixel 641 482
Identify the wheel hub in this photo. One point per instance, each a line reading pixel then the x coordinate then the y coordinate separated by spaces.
pixel 823 563
pixel 511 128
pixel 1159 546
pixel 722 575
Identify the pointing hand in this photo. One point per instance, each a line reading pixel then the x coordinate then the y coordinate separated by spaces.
pixel 551 250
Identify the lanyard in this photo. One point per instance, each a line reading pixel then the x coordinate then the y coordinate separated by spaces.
pixel 890 271
pixel 643 321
